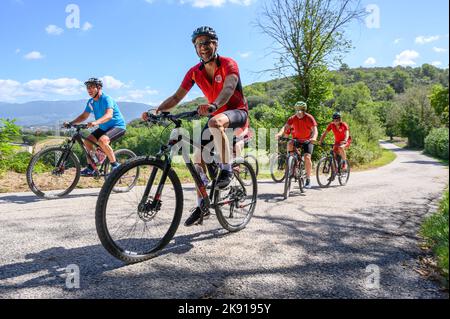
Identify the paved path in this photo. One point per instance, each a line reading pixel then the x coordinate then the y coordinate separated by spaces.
pixel 313 246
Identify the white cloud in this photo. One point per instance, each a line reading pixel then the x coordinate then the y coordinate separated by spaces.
pixel 424 39
pixel 439 50
pixel 11 91
pixel 110 82
pixel 397 41
pixel 54 30
pixel 87 26
pixel 245 55
pixel 406 58
pixel 215 3
pixel 370 61
pixel 436 63
pixel 138 95
pixel 62 86
pixel 35 55
pixel 17 51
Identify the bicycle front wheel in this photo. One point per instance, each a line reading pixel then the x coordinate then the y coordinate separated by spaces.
pixel 236 204
pixel 134 227
pixel 344 176
pixel 53 173
pixel 278 167
pixel 289 174
pixel 324 172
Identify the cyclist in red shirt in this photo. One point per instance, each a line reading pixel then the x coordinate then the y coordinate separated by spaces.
pixel 219 79
pixel 303 127
pixel 342 136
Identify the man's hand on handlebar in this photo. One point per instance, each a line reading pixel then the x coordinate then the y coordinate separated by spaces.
pixel 206 109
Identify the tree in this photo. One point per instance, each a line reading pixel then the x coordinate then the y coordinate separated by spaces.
pixel 400 81
pixel 417 116
pixel 308 35
pixel 440 102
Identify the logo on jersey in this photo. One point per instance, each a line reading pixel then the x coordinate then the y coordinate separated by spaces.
pixel 91 106
pixel 219 79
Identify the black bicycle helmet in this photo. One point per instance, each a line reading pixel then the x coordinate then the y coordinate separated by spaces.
pixel 337 116
pixel 208 31
pixel 94 81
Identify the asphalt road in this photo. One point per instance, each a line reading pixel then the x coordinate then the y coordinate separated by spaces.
pixel 315 246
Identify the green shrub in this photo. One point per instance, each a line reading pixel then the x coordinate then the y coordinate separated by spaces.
pixel 19 162
pixel 436 144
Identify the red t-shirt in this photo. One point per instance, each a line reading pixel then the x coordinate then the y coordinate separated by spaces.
pixel 301 129
pixel 225 67
pixel 339 133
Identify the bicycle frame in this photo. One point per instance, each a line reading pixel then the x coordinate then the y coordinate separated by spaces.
pixel 166 154
pixel 80 139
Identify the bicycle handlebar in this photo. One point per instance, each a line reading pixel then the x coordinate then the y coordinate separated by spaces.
pixel 75 126
pixel 286 139
pixel 155 119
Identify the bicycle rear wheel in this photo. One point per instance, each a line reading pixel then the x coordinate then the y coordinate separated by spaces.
pixel 324 172
pixel 128 181
pixel 53 173
pixel 344 176
pixel 133 228
pixel 236 204
pixel 301 177
pixel 278 167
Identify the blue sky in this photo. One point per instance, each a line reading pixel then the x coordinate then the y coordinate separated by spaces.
pixel 142 48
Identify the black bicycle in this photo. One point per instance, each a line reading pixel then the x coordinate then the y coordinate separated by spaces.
pixel 295 168
pixel 332 166
pixel 135 226
pixel 55 171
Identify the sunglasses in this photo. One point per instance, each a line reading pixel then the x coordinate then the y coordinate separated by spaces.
pixel 204 43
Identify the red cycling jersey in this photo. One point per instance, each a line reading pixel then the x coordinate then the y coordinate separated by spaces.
pixel 301 128
pixel 225 67
pixel 339 132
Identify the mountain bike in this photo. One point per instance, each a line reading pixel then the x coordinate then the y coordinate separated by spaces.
pixel 135 226
pixel 295 168
pixel 54 172
pixel 330 167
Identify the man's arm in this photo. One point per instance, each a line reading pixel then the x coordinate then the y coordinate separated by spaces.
pixel 315 134
pixel 347 137
pixel 231 82
pixel 172 101
pixel 83 117
pixel 283 131
pixel 324 135
pixel 104 119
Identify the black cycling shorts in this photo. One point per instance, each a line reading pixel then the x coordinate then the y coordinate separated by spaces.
pixel 308 148
pixel 237 118
pixel 114 134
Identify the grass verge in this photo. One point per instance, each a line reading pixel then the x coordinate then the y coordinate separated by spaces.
pixel 435 232
pixel 386 158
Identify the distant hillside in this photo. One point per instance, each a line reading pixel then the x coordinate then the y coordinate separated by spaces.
pixel 40 113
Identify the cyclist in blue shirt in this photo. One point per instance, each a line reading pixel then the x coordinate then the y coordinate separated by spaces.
pixel 109 119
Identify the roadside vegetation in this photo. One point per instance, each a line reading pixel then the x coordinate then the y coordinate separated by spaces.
pixel 435 231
